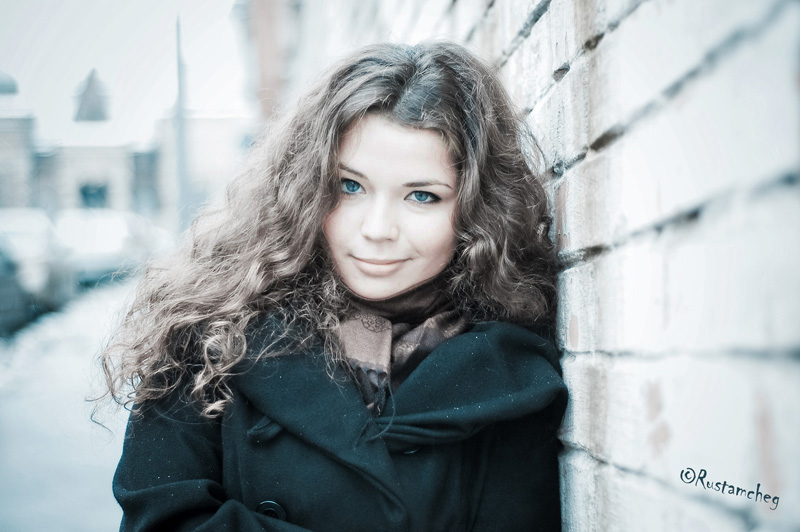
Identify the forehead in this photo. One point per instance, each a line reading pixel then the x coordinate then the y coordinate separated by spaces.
pixel 379 147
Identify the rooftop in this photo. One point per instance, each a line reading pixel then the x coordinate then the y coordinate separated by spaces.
pixel 8 85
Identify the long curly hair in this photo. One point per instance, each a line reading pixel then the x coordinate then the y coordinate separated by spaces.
pixel 263 251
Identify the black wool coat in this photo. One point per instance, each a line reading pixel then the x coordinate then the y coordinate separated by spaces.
pixel 466 443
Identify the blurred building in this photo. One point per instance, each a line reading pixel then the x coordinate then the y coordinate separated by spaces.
pixel 135 177
pixel 92 101
pixel 271 32
pixel 16 145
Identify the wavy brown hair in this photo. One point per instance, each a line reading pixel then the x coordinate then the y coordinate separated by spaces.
pixel 263 252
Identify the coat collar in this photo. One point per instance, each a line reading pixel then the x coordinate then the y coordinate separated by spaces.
pixel 327 412
pixel 297 392
pixel 494 372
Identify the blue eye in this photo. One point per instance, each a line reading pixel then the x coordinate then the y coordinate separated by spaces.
pixel 350 187
pixel 424 197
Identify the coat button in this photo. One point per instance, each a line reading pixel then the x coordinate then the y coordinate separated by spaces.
pixel 272 509
pixel 412 450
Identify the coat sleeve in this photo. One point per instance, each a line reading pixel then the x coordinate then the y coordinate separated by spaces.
pixel 170 476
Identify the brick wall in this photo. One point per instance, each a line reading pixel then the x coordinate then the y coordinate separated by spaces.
pixel 672 134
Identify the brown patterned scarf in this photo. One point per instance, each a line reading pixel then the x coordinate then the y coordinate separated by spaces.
pixel 384 340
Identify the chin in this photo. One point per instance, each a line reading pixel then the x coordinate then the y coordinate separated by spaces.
pixel 377 293
pixel 377 290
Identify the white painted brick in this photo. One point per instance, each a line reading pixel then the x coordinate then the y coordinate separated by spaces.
pixel 735 126
pixel 555 41
pixel 737 418
pixel 630 297
pixel 607 414
pixel 734 417
pixel 512 15
pixel 615 303
pixel 501 25
pixel 586 420
pixel 745 121
pixel 599 498
pixel 463 17
pixel 654 47
pixel 581 497
pixel 560 120
pixel 733 281
pixel 596 201
pixel 528 72
pixel 486 40
pixel 611 12
pixel 728 281
pixel 577 309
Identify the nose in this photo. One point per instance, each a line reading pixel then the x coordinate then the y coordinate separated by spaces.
pixel 379 221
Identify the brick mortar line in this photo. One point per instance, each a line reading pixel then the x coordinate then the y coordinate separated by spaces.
pixel 687 217
pixel 486 12
pixel 708 64
pixel 790 355
pixel 449 12
pixel 750 520
pixel 523 33
pixel 582 50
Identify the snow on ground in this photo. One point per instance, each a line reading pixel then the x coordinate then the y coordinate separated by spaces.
pixel 56 465
pixel 82 326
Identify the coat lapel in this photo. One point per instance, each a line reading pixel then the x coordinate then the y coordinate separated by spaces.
pixel 494 372
pixel 296 391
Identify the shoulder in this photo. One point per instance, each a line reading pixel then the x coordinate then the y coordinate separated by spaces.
pixel 516 340
pixel 278 333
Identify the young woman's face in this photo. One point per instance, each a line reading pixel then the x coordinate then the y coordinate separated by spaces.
pixel 393 228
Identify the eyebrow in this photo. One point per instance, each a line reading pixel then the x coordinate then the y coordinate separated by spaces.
pixel 411 184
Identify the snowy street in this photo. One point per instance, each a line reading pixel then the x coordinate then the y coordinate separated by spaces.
pixel 56 465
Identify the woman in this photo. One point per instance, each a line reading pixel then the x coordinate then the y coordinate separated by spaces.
pixel 358 339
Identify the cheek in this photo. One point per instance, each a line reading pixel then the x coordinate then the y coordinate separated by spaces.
pixel 332 229
pixel 435 238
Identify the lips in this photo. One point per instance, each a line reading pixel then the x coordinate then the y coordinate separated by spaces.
pixel 372 267
pixel 380 262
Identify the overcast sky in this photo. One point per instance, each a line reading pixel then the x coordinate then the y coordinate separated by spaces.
pixel 50 46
